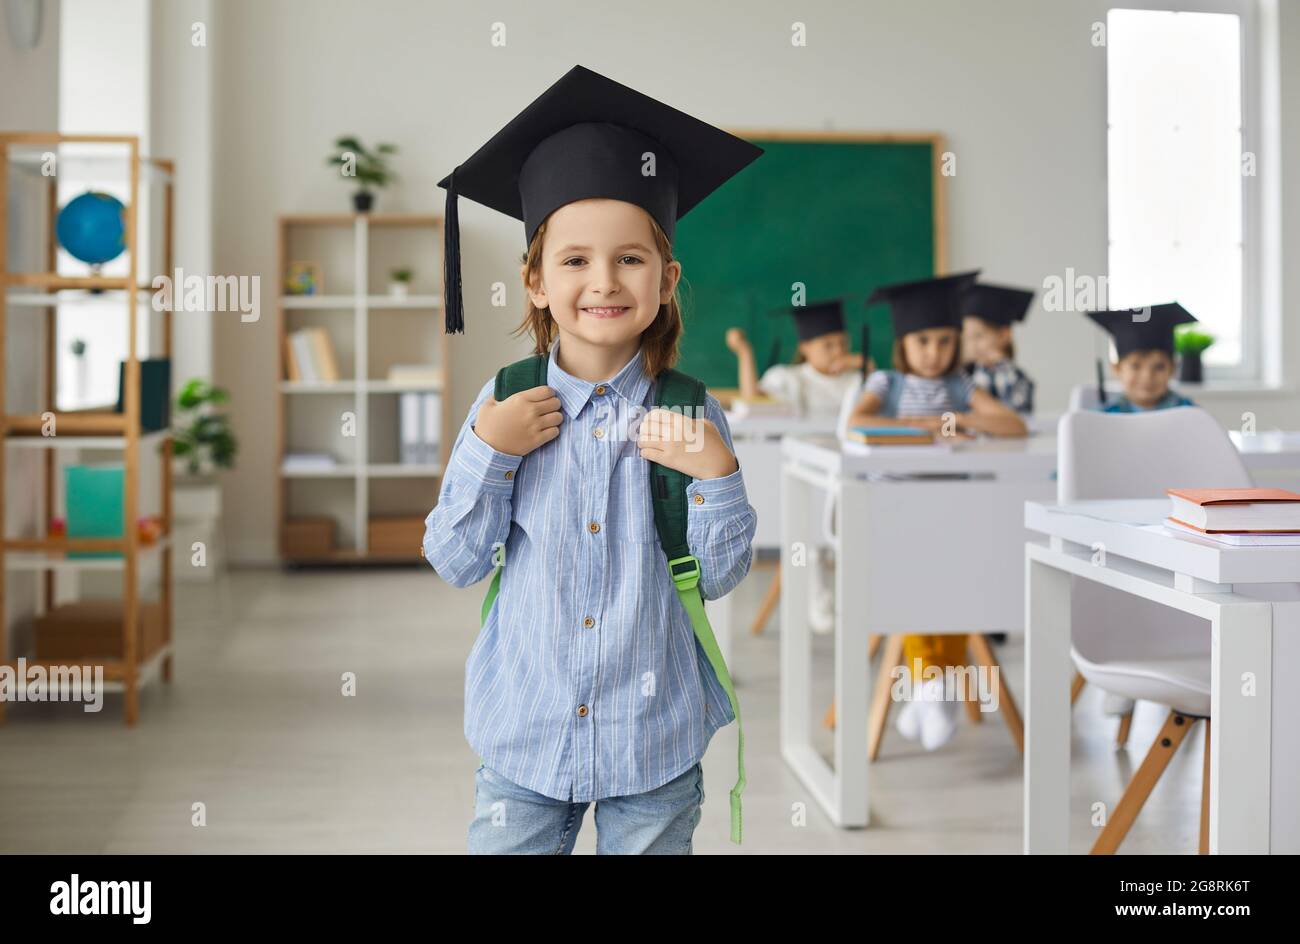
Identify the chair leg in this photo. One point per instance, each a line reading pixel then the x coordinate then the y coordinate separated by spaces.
pixel 1205 795
pixel 873 644
pixel 880 698
pixel 1006 701
pixel 1075 687
pixel 1121 736
pixel 770 599
pixel 973 712
pixel 828 719
pixel 1135 795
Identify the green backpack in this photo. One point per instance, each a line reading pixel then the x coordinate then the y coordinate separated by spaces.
pixel 673 389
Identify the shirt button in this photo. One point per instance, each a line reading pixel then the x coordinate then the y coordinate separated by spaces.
pixel 593 527
pixel 598 432
pixel 589 622
pixel 699 499
pixel 601 389
pixel 510 474
pixel 582 711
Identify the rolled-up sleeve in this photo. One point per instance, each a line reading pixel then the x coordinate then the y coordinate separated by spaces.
pixel 472 517
pixel 720 522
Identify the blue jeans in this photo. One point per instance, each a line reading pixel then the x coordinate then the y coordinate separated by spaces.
pixel 510 819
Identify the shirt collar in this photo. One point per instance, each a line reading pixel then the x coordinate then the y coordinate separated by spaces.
pixel 631 383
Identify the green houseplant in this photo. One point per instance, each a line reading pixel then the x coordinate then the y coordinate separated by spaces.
pixel 370 169
pixel 203 437
pixel 399 282
pixel 1190 345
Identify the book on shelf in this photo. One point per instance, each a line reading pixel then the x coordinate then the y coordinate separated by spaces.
pixel 415 374
pixel 1242 510
pixel 420 427
pixel 310 357
pixel 309 462
pixel 1238 538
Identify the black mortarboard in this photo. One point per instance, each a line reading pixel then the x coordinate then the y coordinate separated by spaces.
pixel 925 303
pixel 588 136
pixel 1143 329
pixel 816 318
pixel 996 304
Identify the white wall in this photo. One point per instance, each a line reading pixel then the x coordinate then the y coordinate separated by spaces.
pixel 36 73
pixel 1015 85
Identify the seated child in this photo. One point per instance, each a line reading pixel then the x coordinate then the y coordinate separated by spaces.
pixel 817 383
pixel 926 389
pixel 988 312
pixel 1144 349
pixel 824 367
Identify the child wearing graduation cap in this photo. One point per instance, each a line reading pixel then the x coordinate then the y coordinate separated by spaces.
pixel 927 389
pixel 824 368
pixel 1144 349
pixel 988 312
pixel 586 683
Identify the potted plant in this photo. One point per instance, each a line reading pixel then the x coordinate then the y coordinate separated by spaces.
pixel 399 282
pixel 1190 345
pixel 369 168
pixel 203 438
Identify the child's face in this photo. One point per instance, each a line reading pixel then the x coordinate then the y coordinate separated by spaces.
pixel 930 351
pixel 601 254
pixel 1145 376
pixel 823 352
pixel 984 343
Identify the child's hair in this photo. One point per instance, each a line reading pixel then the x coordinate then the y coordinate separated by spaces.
pixel 658 342
pixel 902 366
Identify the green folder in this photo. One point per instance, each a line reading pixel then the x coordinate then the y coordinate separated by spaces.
pixel 94 500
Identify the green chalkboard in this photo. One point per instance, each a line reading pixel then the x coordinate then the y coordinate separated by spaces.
pixel 840 214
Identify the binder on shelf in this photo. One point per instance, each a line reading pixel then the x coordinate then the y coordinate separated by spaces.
pixel 155 392
pixel 410 428
pixel 431 427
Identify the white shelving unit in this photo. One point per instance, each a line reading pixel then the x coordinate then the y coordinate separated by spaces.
pixel 342 244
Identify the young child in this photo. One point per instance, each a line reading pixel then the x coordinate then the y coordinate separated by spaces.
pixel 587 683
pixel 1144 349
pixel 817 383
pixel 926 389
pixel 988 311
pixel 824 368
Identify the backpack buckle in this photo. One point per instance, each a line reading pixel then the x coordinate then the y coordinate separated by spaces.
pixel 685 572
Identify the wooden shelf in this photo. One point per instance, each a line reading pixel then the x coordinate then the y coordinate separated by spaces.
pixel 349 319
pixel 46 557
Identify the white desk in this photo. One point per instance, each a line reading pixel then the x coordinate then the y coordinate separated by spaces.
pixel 1252 601
pixel 914 555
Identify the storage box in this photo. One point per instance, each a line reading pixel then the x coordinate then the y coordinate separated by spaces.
pixel 308 536
pixel 92 629
pixel 398 535
pixel 94 501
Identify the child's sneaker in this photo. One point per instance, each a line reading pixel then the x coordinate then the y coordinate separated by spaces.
pixel 938 717
pixel 908 722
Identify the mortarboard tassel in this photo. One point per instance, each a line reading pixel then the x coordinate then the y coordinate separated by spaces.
pixel 455 311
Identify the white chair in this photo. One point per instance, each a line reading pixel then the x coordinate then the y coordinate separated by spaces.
pixel 1084 396
pixel 1133 648
pixel 850 400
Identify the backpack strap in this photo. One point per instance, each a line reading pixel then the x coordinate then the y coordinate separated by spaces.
pixel 675 390
pixel 511 379
pixel 956 383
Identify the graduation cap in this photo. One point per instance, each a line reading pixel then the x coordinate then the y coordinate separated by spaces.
pixel 816 318
pixel 1143 329
pixel 588 136
pixel 996 304
pixel 925 303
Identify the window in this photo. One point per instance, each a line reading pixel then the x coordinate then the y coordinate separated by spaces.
pixel 1177 173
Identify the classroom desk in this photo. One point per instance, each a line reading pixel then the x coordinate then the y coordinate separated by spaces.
pixel 913 555
pixel 1252 601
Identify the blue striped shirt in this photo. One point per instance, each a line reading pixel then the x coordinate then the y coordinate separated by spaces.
pixel 586 681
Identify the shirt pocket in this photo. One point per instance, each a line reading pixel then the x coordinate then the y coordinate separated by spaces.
pixel 631 516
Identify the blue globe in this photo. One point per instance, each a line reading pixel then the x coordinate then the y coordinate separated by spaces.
pixel 92 227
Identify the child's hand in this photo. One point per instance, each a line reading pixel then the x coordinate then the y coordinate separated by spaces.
pixel 939 425
pixel 736 340
pixel 845 362
pixel 692 446
pixel 520 423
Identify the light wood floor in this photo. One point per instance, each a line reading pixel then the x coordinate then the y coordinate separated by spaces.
pixel 254 727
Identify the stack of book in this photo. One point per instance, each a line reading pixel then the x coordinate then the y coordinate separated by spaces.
pixel 864 439
pixel 1240 517
pixel 309 356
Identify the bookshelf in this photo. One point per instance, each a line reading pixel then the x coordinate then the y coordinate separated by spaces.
pixel 145 655
pixel 367 505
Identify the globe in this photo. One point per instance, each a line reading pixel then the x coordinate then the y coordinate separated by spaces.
pixel 92 227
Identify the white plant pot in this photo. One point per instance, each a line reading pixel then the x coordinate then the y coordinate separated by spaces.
pixel 398 289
